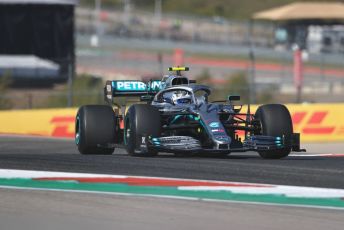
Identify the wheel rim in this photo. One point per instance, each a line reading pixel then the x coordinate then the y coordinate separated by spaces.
pixel 126 131
pixel 77 131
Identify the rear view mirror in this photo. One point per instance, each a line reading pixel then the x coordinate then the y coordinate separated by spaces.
pixel 233 98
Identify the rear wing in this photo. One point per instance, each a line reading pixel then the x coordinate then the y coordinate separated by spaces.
pixel 130 88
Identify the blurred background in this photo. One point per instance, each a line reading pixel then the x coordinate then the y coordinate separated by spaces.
pixel 59 53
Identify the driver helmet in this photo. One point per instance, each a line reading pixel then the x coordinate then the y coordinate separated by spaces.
pixel 181 98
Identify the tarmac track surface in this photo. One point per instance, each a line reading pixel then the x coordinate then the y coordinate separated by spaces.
pixel 32 153
pixel 61 210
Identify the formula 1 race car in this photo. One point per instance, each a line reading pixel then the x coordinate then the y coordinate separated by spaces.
pixel 175 116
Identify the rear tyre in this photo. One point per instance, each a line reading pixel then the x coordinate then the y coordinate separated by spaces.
pixel 141 121
pixel 275 121
pixel 94 129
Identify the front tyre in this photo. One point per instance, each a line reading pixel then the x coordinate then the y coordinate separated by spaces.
pixel 141 121
pixel 275 121
pixel 95 129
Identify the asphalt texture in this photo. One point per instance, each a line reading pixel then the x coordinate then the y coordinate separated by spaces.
pixel 53 210
pixel 33 153
pixel 46 210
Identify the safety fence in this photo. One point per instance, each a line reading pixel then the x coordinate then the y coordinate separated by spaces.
pixel 315 122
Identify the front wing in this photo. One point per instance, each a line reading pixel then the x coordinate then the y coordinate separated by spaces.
pixel 186 144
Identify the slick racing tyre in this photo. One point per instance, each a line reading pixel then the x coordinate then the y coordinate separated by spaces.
pixel 141 121
pixel 275 120
pixel 95 129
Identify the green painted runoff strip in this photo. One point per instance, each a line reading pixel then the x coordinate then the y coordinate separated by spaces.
pixel 171 191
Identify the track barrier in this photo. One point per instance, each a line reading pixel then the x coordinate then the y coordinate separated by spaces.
pixel 315 122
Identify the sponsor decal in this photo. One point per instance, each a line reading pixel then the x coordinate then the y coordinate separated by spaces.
pixel 136 85
pixel 218 130
pixel 155 85
pixel 143 145
pixel 63 126
pixel 221 138
pixel 214 124
pixel 314 122
pixel 130 86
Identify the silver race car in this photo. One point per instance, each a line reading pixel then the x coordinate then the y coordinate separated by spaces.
pixel 175 115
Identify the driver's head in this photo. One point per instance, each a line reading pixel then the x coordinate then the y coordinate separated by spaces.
pixel 181 97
